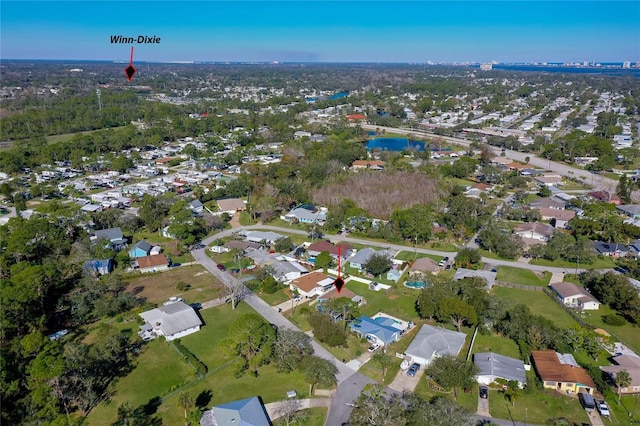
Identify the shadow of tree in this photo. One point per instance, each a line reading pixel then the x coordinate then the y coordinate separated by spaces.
pixel 204 399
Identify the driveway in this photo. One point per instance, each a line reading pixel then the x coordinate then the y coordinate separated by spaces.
pixel 404 382
pixel 483 406
pixel 594 418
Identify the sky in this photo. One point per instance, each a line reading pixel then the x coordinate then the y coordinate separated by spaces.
pixel 324 31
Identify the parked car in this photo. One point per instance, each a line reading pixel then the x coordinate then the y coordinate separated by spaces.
pixel 413 369
pixel 297 299
pixel 221 267
pixel 484 392
pixel 603 409
pixel 447 267
pixel 587 402
pixel 374 347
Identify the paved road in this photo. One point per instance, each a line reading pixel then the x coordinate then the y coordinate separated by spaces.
pixel 597 181
pixel 338 238
pixel 346 394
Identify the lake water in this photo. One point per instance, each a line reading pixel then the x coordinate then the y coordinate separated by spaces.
pixel 395 144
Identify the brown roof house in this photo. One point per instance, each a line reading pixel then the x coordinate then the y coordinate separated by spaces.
pixel 561 372
pixel 312 284
pixel 629 363
pixel 231 205
pixel 559 218
pixel 153 263
pixel 575 296
pixel 368 164
pixel 422 265
pixel 535 231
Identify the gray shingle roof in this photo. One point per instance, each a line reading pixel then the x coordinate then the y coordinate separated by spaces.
pixel 172 318
pixel 244 412
pixel 142 245
pixel 491 364
pixel 435 341
pixel 110 234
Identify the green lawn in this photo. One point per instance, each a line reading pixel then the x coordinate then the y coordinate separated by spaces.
pixel 355 347
pixel 467 400
pixel 158 369
pixel 491 255
pixel 410 256
pixel 628 334
pixel 600 263
pixel 538 302
pixel 497 344
pixel 398 302
pixel 245 219
pixel 308 417
pixel 159 372
pixel 536 407
pixel 523 276
pixel 276 298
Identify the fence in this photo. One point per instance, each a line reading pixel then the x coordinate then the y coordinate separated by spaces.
pixel 520 286
pixel 567 309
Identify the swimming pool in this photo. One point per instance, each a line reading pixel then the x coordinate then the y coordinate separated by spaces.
pixel 415 284
pixel 395 144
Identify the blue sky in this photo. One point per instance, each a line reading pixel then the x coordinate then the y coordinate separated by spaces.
pixel 326 31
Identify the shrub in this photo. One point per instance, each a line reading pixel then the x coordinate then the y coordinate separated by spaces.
pixel 182 286
pixel 190 358
pixel 614 319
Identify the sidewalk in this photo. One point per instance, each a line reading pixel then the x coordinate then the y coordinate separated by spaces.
pixel 272 407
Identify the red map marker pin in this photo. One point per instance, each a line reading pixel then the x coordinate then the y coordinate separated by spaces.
pixel 339 282
pixel 130 70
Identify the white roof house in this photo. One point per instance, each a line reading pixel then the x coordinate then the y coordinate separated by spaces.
pixel 432 342
pixel 260 236
pixel 489 276
pixel 172 321
pixel 494 366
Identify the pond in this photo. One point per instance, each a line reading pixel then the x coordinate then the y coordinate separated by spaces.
pixel 395 144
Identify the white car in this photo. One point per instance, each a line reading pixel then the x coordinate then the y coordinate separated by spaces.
pixel 297 299
pixel 374 347
pixel 603 409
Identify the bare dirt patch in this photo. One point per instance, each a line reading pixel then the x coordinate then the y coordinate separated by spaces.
pixel 157 288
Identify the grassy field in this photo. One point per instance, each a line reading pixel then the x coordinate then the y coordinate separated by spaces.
pixel 308 417
pixel 628 334
pixel 159 372
pixel 536 407
pixel 539 304
pixel 410 256
pixel 467 400
pixel 600 263
pixel 523 276
pixel 157 288
pixel 497 344
pixel 398 302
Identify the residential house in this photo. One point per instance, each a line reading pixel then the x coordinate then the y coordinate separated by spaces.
pixel 547 203
pixel 489 276
pixel 395 273
pixel 284 271
pixel 113 238
pixel 634 249
pixel 312 284
pixel 548 180
pixel 244 412
pixel 344 249
pixel 152 263
pixel 380 330
pixel 561 372
pixel 492 366
pixel 361 257
pixel 631 210
pixel 100 267
pixel 335 294
pixel 301 134
pixel 306 215
pixel 610 249
pixel 259 237
pixel 231 205
pixel 173 320
pixel 605 197
pixel 422 265
pixel 559 218
pixel 196 207
pixel 244 246
pixel 433 342
pixel 575 296
pixel 368 164
pixel 630 364
pixel 535 231
pixel 140 249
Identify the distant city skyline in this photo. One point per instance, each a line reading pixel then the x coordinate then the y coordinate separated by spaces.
pixel 324 31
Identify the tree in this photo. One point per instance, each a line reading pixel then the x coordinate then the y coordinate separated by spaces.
pixel 374 407
pixel 318 371
pixel 382 360
pixel 451 372
pixel 414 223
pixel 187 403
pixel 511 392
pixel 456 310
pixel 441 411
pixel 290 348
pixel 623 379
pixel 324 260
pixel 235 291
pixel 252 338
pixel 326 330
pixel 289 411
pixel 467 257
pixel 378 263
pixel 283 245
pixel 344 306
